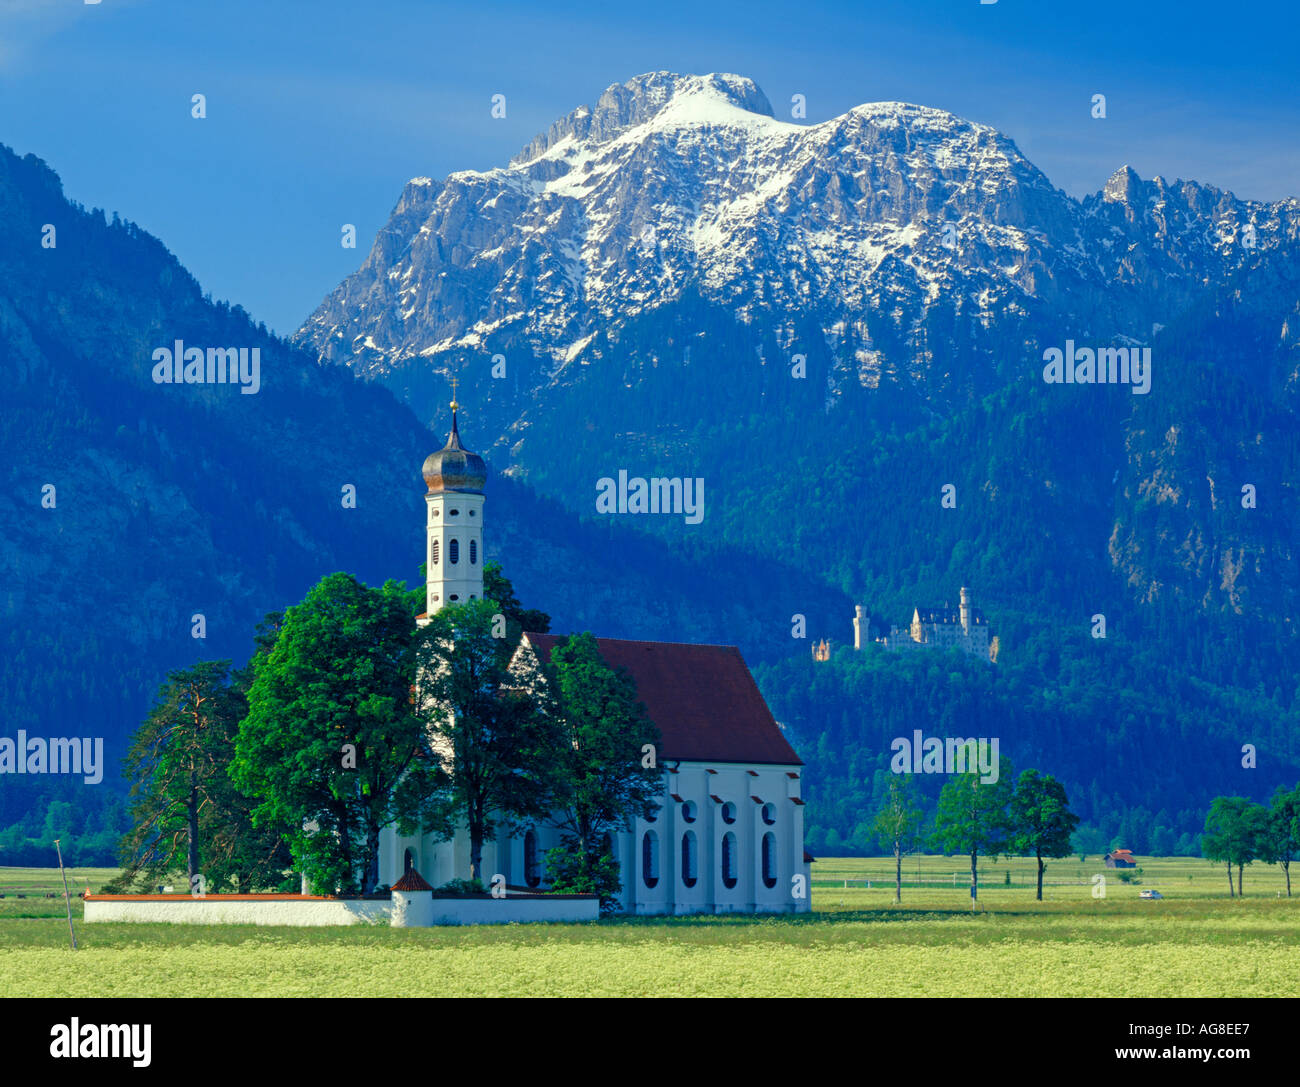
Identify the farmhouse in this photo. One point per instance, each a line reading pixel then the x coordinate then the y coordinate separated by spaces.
pixel 1120 858
pixel 728 834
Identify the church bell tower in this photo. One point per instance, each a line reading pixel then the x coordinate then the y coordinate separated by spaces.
pixel 454 478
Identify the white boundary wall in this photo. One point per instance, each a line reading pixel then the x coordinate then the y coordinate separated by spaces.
pixel 302 911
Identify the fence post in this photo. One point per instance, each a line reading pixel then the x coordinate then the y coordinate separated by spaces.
pixel 66 900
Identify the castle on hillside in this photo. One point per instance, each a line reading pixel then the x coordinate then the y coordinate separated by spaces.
pixel 963 627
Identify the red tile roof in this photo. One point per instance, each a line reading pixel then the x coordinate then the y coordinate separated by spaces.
pixel 412 881
pixel 702 698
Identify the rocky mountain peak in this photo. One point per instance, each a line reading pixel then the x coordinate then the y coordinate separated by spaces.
pixel 625 105
pixel 1123 186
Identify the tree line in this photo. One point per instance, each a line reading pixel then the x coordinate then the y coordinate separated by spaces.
pixel 351 717
pixel 1161 744
pixel 1239 832
pixel 1027 817
pixel 1032 817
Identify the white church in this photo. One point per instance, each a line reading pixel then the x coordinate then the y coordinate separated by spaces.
pixel 728 833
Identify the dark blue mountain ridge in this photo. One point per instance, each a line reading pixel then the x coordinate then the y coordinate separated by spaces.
pixel 173 500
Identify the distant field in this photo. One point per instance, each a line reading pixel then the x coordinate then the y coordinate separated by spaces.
pixel 1065 880
pixel 1196 941
pixel 35 884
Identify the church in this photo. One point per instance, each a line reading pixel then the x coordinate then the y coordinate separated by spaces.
pixel 727 836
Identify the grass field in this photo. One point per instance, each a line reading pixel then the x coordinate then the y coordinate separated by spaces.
pixel 1195 942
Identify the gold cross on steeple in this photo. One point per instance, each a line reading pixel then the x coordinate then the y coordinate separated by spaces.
pixel 454 382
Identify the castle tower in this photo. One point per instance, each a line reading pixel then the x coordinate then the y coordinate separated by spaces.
pixel 861 626
pixel 455 478
pixel 965 610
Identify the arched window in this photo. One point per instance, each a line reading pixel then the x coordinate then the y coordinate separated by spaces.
pixel 769 859
pixel 650 858
pixel 473 551
pixel 689 811
pixel 436 548
pixel 728 812
pixel 690 859
pixel 532 862
pixel 769 814
pixel 408 862
pixel 453 551
pixel 729 877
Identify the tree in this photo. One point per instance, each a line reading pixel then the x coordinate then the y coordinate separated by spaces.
pixel 606 775
pixel 168 769
pixel 897 825
pixel 1041 820
pixel 1281 840
pixel 972 817
pixel 495 739
pixel 182 795
pixel 573 869
pixel 332 748
pixel 1235 829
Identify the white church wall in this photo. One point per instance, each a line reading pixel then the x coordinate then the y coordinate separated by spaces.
pixel 696 784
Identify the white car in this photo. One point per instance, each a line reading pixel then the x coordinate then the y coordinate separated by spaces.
pixel 1150 894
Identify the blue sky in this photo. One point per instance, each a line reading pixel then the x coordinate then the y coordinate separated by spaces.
pixel 320 110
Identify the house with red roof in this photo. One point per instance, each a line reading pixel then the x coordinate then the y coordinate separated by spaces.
pixel 728 832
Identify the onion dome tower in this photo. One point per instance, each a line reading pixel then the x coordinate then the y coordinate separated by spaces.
pixel 454 479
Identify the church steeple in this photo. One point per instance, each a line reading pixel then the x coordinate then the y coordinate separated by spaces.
pixel 454 479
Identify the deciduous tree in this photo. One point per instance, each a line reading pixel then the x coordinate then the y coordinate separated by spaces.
pixel 1281 841
pixel 972 817
pixel 1235 829
pixel 332 747
pixel 898 825
pixel 495 739
pixel 1041 820
pixel 607 770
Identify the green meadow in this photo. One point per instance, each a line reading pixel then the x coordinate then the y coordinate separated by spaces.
pixel 1196 941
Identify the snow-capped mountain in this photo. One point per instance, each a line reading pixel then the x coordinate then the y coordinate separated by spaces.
pixel 658 271
pixel 887 225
